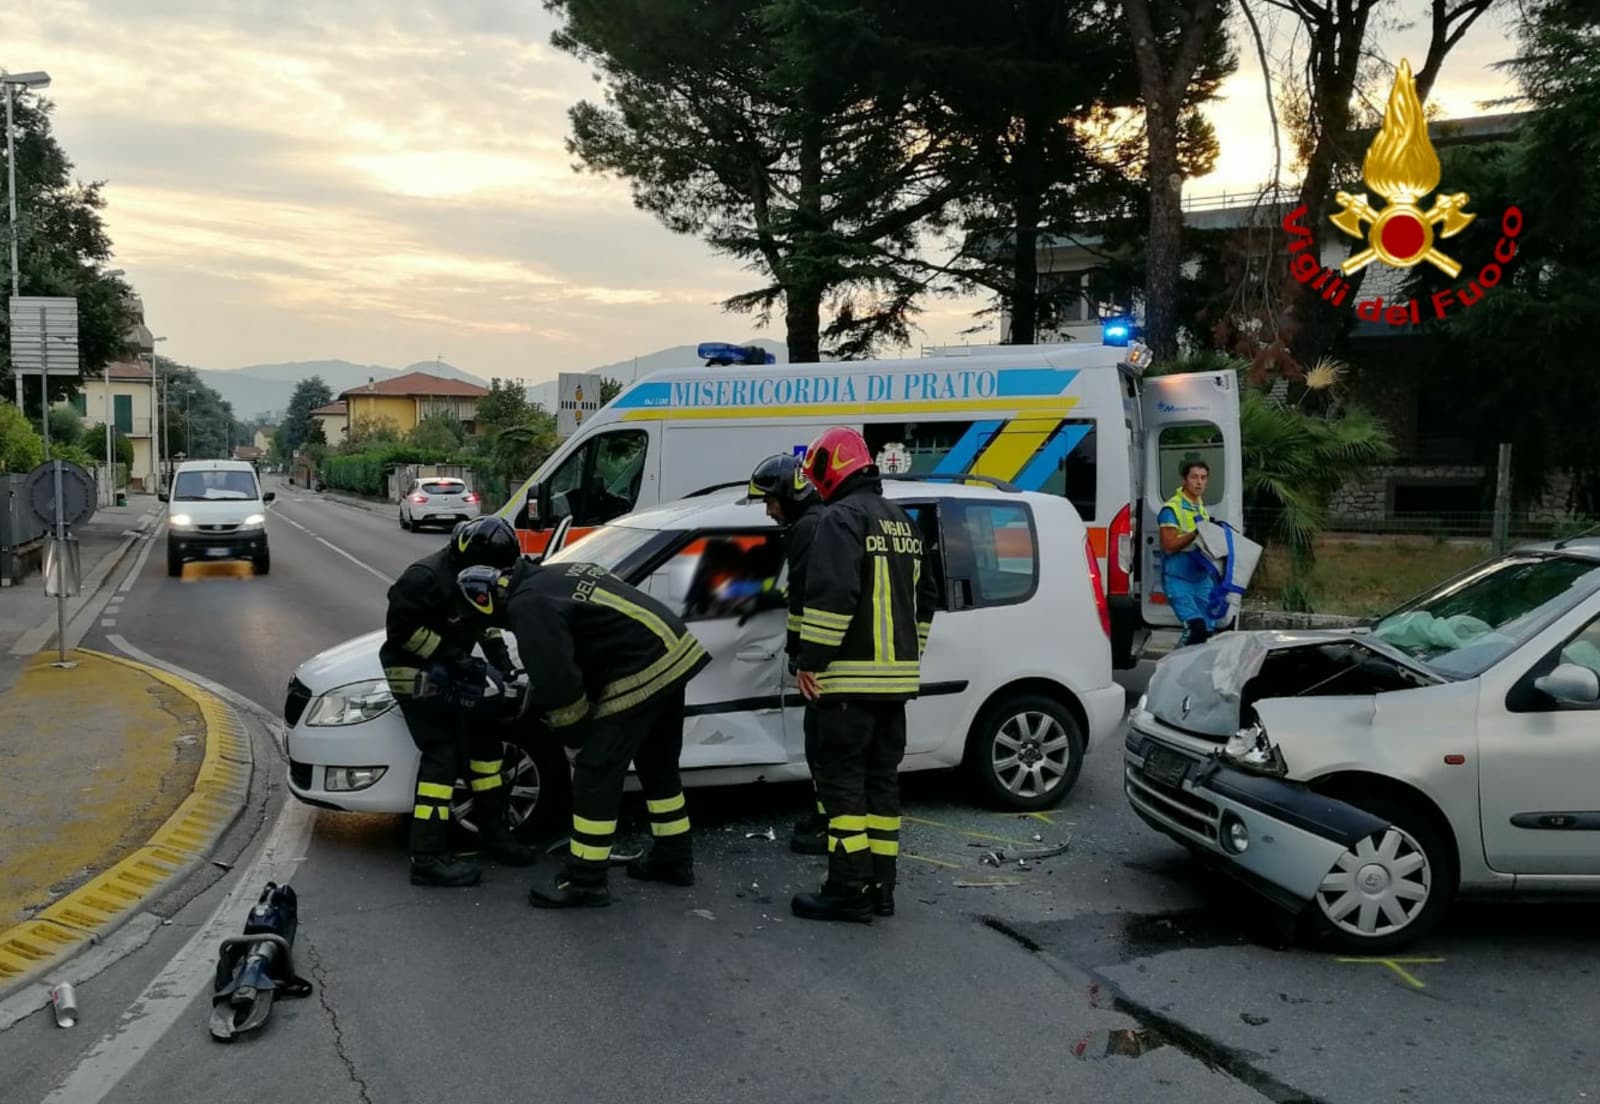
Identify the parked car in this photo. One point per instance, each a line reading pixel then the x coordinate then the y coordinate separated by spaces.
pixel 438 501
pixel 216 511
pixel 1016 679
pixel 1366 778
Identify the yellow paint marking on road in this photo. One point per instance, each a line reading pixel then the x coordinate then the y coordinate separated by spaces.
pixel 1395 964
pixel 1045 818
pixel 933 861
pixel 968 832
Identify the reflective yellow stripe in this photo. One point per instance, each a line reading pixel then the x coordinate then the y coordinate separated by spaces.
pixel 638 613
pixel 885 847
pixel 867 668
pixel 593 827
pixel 485 766
pixel 653 671
pixel 813 635
pixel 424 642
pixel 882 823
pixel 568 715
pixel 840 621
pixel 422 812
pixel 666 804
pixel 435 789
pixel 442 812
pixel 868 686
pixel 882 611
pixel 849 823
pixel 793 622
pixel 672 674
pixel 670 828
pixel 1187 513
pixel 402 680
pixel 853 844
pixel 490 783
pixel 590 852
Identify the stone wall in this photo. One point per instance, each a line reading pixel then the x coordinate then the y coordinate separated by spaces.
pixel 1368 499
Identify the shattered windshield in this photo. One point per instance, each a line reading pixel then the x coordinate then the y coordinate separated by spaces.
pixel 1469 624
pixel 606 546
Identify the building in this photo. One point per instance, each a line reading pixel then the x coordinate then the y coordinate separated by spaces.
pixel 405 400
pixel 248 453
pixel 263 439
pixel 334 419
pixel 132 409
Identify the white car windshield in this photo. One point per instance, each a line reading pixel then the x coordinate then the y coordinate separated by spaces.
pixel 204 486
pixel 605 547
pixel 1470 624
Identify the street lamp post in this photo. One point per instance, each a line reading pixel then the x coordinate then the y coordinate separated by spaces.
pixel 158 447
pixel 111 457
pixel 12 82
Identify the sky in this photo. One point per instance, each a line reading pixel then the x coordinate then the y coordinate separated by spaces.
pixel 385 181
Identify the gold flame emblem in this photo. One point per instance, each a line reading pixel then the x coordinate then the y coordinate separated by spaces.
pixel 1402 167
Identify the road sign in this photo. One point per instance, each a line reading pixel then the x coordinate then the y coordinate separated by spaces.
pixel 44 334
pixel 577 398
pixel 78 495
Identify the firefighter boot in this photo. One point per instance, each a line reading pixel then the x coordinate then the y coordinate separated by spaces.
pixel 883 899
pixel 670 860
pixel 575 887
pixel 836 902
pixel 443 870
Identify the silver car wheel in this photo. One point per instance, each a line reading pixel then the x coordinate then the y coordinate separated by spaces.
pixel 1379 886
pixel 520 775
pixel 1031 754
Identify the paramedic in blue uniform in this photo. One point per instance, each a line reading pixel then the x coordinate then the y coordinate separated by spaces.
pixel 1186 576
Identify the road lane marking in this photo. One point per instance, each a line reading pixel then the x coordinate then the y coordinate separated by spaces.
pixel 329 544
pixel 138 563
pixel 1395 964
pixel 929 859
pixel 969 832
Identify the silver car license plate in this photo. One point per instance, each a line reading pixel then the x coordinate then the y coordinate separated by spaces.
pixel 1166 767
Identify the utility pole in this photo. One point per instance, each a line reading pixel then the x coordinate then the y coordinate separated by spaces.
pixel 1502 500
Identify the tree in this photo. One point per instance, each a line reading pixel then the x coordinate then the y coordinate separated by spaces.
pixel 366 433
pixel 66 424
pixel 439 433
pixel 199 423
pixel 62 247
pixel 21 450
pixel 506 404
pixel 297 421
pixel 1170 39
pixel 609 389
pixel 780 131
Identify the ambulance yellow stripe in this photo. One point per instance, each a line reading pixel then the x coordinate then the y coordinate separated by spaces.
pixel 1014 447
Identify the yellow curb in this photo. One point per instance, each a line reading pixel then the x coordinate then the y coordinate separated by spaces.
pixel 91 912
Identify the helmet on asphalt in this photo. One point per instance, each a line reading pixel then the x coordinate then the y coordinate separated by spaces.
pixel 835 456
pixel 482 588
pixel 782 477
pixel 486 541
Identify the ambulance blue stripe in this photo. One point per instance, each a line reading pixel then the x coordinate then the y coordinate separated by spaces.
pixel 1048 459
pixel 1012 383
pixel 965 451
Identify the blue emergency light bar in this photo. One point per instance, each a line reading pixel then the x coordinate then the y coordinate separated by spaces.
pixel 1117 331
pixel 720 352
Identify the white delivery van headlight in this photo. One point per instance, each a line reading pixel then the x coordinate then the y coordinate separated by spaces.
pixel 254 521
pixel 181 521
pixel 351 704
pixel 1252 750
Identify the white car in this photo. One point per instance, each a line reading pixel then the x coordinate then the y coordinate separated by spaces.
pixel 1016 681
pixel 216 510
pixel 1363 779
pixel 438 501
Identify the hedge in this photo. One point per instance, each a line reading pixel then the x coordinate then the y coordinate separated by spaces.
pixel 367 473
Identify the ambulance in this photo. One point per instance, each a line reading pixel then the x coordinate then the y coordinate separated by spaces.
pixel 1079 420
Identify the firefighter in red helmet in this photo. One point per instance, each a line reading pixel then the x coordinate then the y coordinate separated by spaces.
pixel 865 617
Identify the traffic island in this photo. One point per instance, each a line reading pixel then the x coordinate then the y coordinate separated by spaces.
pixel 120 778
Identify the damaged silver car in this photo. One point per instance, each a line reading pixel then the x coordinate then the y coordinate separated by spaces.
pixel 1365 778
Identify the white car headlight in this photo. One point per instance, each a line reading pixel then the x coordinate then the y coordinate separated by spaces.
pixel 1251 749
pixel 254 521
pixel 181 521
pixel 351 704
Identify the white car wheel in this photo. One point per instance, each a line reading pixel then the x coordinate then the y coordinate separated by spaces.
pixel 1378 887
pixel 1026 752
pixel 536 795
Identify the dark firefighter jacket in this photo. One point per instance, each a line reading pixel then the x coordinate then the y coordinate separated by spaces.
pixel 419 631
pixel 594 647
pixel 869 599
pixel 796 547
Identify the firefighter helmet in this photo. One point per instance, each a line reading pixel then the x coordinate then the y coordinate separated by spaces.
pixel 783 477
pixel 486 541
pixel 835 456
pixel 482 588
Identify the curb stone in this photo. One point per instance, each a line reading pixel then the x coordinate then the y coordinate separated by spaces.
pixel 87 915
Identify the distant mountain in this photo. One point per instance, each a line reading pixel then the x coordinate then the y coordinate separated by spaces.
pixel 265 388
pixel 626 371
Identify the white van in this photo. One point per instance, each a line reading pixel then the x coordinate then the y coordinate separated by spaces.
pixel 1076 420
pixel 216 511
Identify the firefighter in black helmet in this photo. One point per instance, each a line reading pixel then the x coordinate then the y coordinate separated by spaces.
pixel 780 481
pixel 441 689
pixel 612 665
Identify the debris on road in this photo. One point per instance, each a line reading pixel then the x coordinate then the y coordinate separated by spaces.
pixel 1253 1021
pixel 64 1002
pixel 992 883
pixel 222 865
pixel 993 858
pixel 1038 837
pixel 704 914
pixel 769 834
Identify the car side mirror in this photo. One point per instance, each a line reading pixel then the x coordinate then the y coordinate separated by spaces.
pixel 1570 684
pixel 162 496
pixel 537 506
pixel 270 496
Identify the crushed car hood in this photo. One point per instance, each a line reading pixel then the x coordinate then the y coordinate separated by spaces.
pixel 1202 689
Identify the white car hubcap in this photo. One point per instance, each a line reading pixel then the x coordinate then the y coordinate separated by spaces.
pixel 520 775
pixel 1031 754
pixel 1378 886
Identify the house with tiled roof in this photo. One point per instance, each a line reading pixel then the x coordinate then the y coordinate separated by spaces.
pixel 334 418
pixel 405 400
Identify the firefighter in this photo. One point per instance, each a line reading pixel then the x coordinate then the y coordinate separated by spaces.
pixel 440 687
pixel 612 664
pixel 866 613
pixel 791 501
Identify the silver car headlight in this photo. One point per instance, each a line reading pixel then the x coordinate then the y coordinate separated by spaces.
pixel 181 521
pixel 254 521
pixel 351 704
pixel 1251 749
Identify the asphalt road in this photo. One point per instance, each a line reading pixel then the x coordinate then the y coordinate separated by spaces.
pixel 1116 971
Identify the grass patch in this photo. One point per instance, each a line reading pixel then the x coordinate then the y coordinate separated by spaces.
pixel 1363 576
